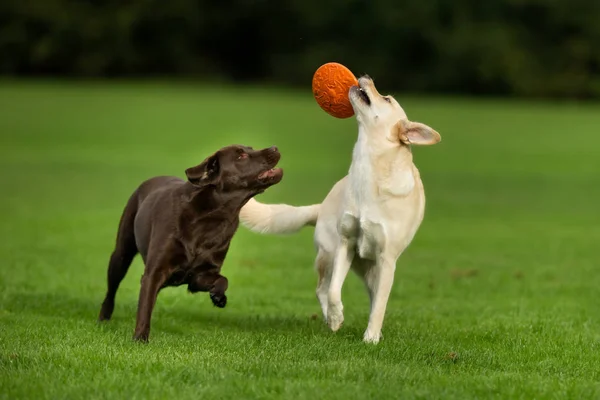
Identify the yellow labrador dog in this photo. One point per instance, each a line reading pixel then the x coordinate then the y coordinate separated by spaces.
pixel 370 216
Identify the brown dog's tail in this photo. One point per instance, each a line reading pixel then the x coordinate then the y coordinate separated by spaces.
pixel 277 218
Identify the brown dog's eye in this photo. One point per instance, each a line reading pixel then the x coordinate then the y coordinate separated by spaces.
pixel 242 156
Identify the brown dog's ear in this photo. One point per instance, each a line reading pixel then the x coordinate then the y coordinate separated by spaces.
pixel 205 173
pixel 417 133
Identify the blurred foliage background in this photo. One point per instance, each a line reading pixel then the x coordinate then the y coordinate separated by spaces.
pixel 528 48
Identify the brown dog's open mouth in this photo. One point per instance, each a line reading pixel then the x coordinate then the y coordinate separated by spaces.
pixel 270 174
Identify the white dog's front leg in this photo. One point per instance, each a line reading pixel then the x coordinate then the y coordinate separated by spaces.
pixel 380 284
pixel 348 232
pixel 341 266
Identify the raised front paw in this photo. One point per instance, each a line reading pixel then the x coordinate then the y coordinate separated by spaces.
pixel 219 300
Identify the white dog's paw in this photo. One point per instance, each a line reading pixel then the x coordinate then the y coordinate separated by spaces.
pixel 372 337
pixel 335 322
pixel 335 317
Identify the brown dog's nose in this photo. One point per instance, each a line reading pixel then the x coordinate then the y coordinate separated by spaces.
pixel 274 149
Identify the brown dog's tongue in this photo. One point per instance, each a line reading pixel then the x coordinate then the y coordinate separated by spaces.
pixel 268 173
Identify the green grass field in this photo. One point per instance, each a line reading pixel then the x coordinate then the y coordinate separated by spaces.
pixel 497 297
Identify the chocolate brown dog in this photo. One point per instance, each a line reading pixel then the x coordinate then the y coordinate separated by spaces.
pixel 182 229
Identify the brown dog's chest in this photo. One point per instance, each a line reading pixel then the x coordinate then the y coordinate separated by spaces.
pixel 203 242
pixel 192 262
pixel 184 275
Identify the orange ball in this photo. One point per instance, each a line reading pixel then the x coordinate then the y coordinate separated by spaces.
pixel 330 85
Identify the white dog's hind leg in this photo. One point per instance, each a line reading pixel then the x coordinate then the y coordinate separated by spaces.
pixel 379 281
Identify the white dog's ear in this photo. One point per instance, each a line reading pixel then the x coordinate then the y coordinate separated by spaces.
pixel 416 133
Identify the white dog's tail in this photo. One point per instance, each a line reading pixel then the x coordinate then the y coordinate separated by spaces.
pixel 277 218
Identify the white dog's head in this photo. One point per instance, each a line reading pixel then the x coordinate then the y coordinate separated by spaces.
pixel 383 116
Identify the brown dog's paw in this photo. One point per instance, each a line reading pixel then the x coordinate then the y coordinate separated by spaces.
pixel 104 316
pixel 106 311
pixel 141 337
pixel 219 300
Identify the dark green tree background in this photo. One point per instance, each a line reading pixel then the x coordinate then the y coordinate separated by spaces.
pixel 547 48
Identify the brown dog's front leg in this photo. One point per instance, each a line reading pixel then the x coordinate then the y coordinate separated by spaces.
pixel 152 282
pixel 213 283
pixel 217 293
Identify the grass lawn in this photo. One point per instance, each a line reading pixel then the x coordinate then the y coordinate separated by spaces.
pixel 497 297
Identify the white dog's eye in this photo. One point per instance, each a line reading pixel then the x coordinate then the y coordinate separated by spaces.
pixel 388 100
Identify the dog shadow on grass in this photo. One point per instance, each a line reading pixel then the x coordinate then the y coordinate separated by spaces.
pixel 184 322
pixel 206 318
pixel 170 320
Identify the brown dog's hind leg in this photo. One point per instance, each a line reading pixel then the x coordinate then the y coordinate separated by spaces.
pixel 121 258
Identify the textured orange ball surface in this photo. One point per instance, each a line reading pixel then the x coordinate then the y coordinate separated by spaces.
pixel 330 85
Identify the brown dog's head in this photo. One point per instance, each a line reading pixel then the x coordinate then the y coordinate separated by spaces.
pixel 238 167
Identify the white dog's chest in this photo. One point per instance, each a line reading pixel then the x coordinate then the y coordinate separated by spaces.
pixel 368 235
pixel 382 204
pixel 374 222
